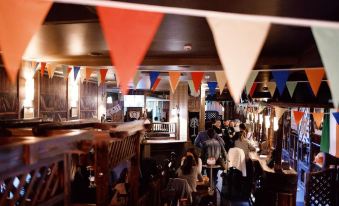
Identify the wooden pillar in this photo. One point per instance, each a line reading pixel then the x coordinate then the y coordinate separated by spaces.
pixel 278 147
pixel 102 173
pixel 270 129
pixel 67 179
pixel 134 173
pixel 202 108
pixel 180 99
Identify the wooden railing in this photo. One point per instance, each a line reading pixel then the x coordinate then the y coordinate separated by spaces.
pixel 32 170
pixel 162 130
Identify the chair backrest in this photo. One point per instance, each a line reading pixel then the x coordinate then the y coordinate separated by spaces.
pixel 320 188
pixel 236 158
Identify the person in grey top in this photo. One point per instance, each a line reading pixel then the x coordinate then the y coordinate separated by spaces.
pixel 241 142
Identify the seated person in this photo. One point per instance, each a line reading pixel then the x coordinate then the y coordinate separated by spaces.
pixel 198 162
pixel 241 142
pixel 189 171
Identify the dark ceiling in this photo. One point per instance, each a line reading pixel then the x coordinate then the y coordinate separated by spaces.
pixel 71 35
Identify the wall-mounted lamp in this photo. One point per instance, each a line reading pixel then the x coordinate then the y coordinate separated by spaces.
pixel 109 100
pixel 261 119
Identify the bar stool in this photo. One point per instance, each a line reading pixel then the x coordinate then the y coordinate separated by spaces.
pixel 211 164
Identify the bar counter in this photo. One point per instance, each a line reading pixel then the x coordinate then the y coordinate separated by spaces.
pixel 272 187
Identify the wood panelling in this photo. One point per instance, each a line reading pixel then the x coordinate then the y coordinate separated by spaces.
pixel 53 101
pixel 9 103
pixel 88 100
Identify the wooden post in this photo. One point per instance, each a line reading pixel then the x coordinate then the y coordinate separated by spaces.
pixel 67 179
pixel 102 173
pixel 134 173
pixel 278 147
pixel 202 109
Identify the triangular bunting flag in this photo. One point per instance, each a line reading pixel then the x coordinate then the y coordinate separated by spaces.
pixel 103 73
pixel 280 78
pixel 42 68
pixel 327 42
pixel 291 87
pixel 76 70
pixel 35 66
pixel 196 78
pixel 336 116
pixel 250 81
pixel 254 85
pixel 238 51
pixel 279 112
pixel 325 135
pixel 88 73
pixel 153 76
pixel 271 87
pixel 19 21
pixel 298 116
pixel 260 109
pixel 155 85
pixel 221 79
pixel 315 76
pixel 318 118
pixel 99 78
pixel 212 86
pixel 51 70
pixel 174 78
pixel 136 79
pixel 194 93
pixel 128 27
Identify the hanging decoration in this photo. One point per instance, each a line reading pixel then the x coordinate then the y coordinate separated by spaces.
pixel 89 71
pixel 298 116
pixel 212 86
pixel 254 86
pixel 153 76
pixel 76 70
pixel 334 133
pixel 174 78
pixel 194 92
pixel 82 74
pixel 315 76
pixel 250 81
pixel 221 79
pixel 19 21
pixel 327 41
pixel 42 68
pixel 122 27
pixel 197 78
pixel 271 87
pixel 336 116
pixel 103 73
pixel 35 66
pixel 155 85
pixel 99 78
pixel 136 79
pixel 238 51
pixel 280 78
pixel 325 135
pixel 50 70
pixel 318 118
pixel 291 87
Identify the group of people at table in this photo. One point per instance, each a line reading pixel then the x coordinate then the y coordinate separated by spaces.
pixel 221 145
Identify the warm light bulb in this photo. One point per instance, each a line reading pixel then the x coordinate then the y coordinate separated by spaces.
pixel 275 124
pixel 267 121
pixel 109 100
pixel 261 119
pixel 256 117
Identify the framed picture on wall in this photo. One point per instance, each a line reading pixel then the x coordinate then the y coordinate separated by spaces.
pixel 74 112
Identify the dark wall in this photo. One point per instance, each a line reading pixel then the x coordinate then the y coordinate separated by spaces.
pixel 88 100
pixel 9 103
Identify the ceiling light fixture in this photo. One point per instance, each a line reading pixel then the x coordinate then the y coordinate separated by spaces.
pixel 188 47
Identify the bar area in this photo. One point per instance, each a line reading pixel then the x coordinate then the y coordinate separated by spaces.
pixel 169 103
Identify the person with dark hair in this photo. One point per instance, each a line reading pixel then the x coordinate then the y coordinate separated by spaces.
pixel 203 136
pixel 192 152
pixel 217 127
pixel 189 172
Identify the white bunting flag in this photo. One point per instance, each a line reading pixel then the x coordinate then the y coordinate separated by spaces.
pixel 271 87
pixel 328 45
pixel 238 44
pixel 251 80
pixel 221 79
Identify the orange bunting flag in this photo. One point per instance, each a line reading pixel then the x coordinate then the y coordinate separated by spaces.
pixel 42 68
pixel 318 118
pixel 88 73
pixel 155 85
pixel 128 30
pixel 103 73
pixel 298 116
pixel 315 76
pixel 254 86
pixel 19 21
pixel 197 77
pixel 174 78
pixel 51 70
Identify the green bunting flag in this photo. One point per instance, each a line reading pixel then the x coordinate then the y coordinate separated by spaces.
pixel 325 137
